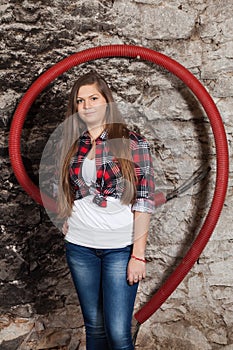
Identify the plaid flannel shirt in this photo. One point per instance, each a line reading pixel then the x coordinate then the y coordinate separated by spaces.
pixel 109 179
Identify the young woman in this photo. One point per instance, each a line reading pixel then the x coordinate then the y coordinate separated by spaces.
pixel 107 195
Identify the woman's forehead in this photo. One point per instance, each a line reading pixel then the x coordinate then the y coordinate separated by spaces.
pixel 88 90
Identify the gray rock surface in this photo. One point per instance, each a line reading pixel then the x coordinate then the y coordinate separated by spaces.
pixel 39 307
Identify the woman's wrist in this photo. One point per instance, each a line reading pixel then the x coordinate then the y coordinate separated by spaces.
pixel 142 259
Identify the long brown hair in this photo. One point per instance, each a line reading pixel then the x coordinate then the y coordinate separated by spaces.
pixel 118 135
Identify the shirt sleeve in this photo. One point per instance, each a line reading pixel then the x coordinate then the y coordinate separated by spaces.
pixel 145 177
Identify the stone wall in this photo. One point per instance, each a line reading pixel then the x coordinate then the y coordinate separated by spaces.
pixel 39 306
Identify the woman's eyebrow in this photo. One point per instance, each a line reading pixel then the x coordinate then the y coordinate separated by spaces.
pixel 88 95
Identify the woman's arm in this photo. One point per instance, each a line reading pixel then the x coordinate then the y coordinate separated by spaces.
pixel 137 268
pixel 142 208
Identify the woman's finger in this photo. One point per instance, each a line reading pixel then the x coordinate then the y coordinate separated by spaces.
pixel 65 228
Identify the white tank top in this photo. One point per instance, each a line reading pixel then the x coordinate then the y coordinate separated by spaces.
pixel 93 226
pixel 89 171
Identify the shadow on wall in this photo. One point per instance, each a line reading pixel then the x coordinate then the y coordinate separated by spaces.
pixel 201 198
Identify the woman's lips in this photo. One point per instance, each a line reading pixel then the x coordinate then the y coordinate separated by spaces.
pixel 89 113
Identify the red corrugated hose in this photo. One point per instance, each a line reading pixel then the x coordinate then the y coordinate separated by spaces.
pixel 216 123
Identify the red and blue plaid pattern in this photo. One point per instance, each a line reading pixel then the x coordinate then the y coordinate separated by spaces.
pixel 109 181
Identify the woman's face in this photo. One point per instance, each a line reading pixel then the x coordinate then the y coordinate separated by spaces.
pixel 91 106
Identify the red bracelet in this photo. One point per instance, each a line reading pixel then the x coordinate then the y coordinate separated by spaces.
pixel 139 259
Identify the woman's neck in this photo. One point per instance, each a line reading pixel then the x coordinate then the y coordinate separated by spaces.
pixel 95 132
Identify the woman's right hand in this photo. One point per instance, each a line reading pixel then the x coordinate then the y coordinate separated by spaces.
pixel 65 228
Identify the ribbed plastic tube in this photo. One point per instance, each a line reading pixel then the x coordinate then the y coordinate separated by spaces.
pixel 216 123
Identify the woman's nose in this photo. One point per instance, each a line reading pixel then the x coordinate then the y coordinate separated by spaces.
pixel 87 104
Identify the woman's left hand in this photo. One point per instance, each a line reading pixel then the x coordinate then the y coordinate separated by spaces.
pixel 136 271
pixel 65 228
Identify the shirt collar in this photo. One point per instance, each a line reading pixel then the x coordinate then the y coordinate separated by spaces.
pixel 102 136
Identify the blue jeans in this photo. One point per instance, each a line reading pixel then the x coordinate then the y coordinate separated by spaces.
pixel 106 299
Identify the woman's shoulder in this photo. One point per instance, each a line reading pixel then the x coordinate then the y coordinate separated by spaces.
pixel 137 138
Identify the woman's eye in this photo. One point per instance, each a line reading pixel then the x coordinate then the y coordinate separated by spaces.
pixel 94 98
pixel 79 101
